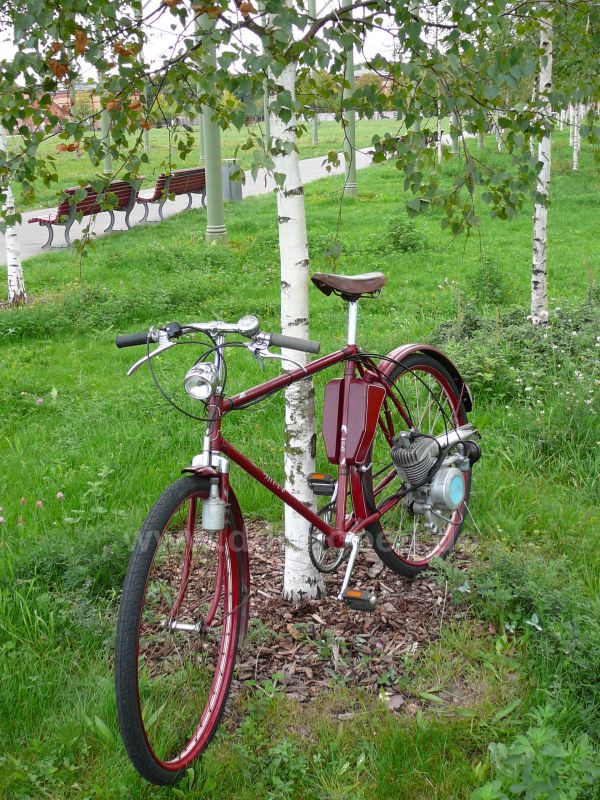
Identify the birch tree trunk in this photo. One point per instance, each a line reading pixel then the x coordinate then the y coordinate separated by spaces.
pixel 571 123
pixel 534 93
pixel 300 578
pixel 539 280
pixel 576 124
pixel 498 132
pixel 438 124
pixel 14 269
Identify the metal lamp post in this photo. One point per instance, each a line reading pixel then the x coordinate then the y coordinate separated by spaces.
pixel 215 213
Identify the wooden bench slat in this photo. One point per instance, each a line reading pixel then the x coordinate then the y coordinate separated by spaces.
pixel 179 182
pixel 124 192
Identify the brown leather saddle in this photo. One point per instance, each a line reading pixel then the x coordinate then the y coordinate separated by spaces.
pixel 350 287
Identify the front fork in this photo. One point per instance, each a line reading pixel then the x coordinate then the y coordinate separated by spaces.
pixel 214 511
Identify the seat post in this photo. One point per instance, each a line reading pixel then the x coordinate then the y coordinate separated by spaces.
pixel 352 317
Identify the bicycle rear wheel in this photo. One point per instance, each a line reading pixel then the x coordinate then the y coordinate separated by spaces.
pixel 177 635
pixel 422 396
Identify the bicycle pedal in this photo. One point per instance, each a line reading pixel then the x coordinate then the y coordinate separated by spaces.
pixel 359 600
pixel 321 484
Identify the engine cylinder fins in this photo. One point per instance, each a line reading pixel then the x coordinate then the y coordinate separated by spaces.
pixel 414 456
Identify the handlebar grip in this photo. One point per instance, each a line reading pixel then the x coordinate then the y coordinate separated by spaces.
pixel 292 343
pixel 131 339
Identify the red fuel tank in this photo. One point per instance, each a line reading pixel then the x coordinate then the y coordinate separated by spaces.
pixel 365 401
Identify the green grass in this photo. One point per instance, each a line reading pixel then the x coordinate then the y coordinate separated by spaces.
pixel 72 168
pixel 73 424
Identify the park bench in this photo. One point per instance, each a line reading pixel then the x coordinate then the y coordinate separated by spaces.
pixel 178 182
pixel 67 211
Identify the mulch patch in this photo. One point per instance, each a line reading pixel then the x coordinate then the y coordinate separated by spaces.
pixel 314 644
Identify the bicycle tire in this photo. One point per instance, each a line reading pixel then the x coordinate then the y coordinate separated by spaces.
pixel 145 669
pixel 419 370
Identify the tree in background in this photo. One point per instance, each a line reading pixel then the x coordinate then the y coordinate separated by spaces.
pixel 539 280
pixel 84 106
pixel 474 85
pixel 16 283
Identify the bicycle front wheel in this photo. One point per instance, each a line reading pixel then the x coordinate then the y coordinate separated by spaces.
pixel 177 635
pixel 423 397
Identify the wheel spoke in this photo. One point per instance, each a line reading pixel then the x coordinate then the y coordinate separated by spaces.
pixel 183 670
pixel 430 405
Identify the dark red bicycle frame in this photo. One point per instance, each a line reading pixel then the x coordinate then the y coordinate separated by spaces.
pixel 348 476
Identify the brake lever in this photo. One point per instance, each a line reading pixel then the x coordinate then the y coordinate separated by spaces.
pixel 259 349
pixel 164 343
pixel 279 357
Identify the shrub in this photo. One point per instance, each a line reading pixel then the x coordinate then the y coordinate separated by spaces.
pixel 487 284
pixel 93 564
pixel 540 602
pixel 539 765
pixel 404 236
pixel 506 358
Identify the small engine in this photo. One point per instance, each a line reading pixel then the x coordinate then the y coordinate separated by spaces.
pixel 414 457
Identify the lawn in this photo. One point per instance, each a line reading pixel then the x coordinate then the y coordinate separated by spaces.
pixel 85 452
pixel 72 168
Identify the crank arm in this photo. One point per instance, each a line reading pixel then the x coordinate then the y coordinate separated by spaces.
pixel 353 540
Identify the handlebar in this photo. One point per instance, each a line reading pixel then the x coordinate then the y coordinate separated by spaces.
pixel 244 327
pixel 293 343
pixel 131 339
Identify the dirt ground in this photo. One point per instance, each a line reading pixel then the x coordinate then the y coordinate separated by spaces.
pixel 315 644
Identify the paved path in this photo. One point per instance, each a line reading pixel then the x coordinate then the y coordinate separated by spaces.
pixel 32 237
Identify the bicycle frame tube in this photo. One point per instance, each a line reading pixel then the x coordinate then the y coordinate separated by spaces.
pixel 256 392
pixel 219 406
pixel 348 476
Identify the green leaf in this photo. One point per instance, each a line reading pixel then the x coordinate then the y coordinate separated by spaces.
pixel 504 712
pixel 104 732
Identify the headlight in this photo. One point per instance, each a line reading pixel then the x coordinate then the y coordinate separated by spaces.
pixel 201 381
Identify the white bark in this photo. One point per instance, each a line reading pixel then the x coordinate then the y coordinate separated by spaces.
pixel 539 282
pixel 571 123
pixel 480 140
pixel 438 129
pixel 438 124
pixel 498 132
pixel 300 577
pixel 533 101
pixel 576 125
pixel 14 269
